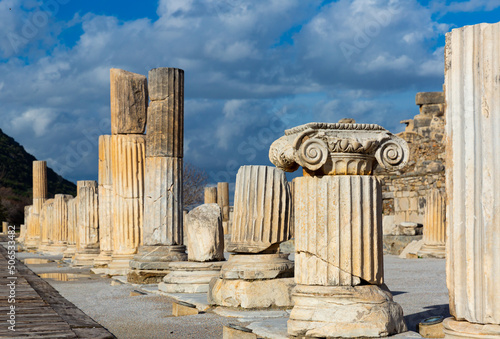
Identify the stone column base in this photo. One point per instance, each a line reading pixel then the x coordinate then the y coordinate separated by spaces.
pixel 344 311
pixel 432 251
pixel 85 258
pixel 152 263
pixel 250 294
pixel 70 252
pixel 55 249
pixel 464 329
pixel 190 277
pixel 257 266
pixel 119 265
pixel 103 260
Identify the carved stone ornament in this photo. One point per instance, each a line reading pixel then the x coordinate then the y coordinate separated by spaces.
pixel 338 149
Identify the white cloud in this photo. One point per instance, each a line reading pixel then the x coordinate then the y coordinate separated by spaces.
pixel 36 119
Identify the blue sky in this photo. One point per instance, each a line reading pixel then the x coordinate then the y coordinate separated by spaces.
pixel 252 69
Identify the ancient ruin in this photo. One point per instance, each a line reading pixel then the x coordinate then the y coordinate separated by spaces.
pixel 473 118
pixel 338 228
pixel 39 197
pixel 163 204
pixel 87 227
pixel 256 274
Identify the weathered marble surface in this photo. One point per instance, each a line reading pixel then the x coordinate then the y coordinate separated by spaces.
pixel 72 228
pixel 210 195
pixel 87 246
pixel 257 267
pixel 223 201
pixel 472 92
pixel 262 210
pixel 434 226
pixel 205 233
pixel 189 277
pixel 129 101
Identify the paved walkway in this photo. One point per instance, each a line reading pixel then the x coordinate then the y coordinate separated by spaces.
pixel 40 311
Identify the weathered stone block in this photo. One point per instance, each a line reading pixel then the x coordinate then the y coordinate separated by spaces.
pixel 205 233
pixel 432 109
pixel 129 101
pixel 426 98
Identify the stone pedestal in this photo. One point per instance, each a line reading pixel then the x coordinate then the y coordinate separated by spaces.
pixel 472 95
pixel 39 197
pixel 105 203
pixel 72 228
pixel 189 276
pixel 338 229
pixel 128 158
pixel 163 203
pixel 434 226
pixel 87 246
pixel 256 275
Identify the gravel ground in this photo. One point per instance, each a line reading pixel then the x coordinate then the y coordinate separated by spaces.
pixel 418 286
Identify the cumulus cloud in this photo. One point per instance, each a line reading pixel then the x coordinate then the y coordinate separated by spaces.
pixel 252 69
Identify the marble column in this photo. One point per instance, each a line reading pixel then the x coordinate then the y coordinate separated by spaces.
pixel 59 226
pixel 472 93
pixel 46 225
pixel 22 234
pixel 163 201
pixel 338 228
pixel 210 195
pixel 434 226
pixel 105 203
pixel 39 197
pixel 87 246
pixel 223 201
pixel 72 228
pixel 5 226
pixel 262 209
pixel 128 157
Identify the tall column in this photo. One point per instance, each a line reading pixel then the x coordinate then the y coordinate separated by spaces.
pixel 72 228
pixel 105 203
pixel 87 246
pixel 124 176
pixel 434 225
pixel 210 195
pixel 472 92
pixel 39 197
pixel 223 201
pixel 256 275
pixel 59 226
pixel 338 228
pixel 163 201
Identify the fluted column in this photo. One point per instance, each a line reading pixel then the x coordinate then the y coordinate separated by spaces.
pixel 262 209
pixel 59 226
pixel 46 225
pixel 338 228
pixel 128 153
pixel 72 228
pixel 5 226
pixel 338 239
pixel 39 197
pixel 434 225
pixel 87 246
pixel 472 92
pixel 163 200
pixel 105 202
pixel 210 195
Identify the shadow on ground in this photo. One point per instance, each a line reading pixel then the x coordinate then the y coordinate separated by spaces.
pixel 436 310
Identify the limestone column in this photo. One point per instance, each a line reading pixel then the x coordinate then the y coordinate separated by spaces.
pixel 223 201
pixel 261 222
pixel 434 226
pixel 472 93
pixel 39 197
pixel 22 234
pixel 163 201
pixel 338 228
pixel 87 246
pixel 210 195
pixel 5 227
pixel 72 228
pixel 105 203
pixel 128 153
pixel 59 226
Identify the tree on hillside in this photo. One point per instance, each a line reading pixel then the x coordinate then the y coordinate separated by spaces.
pixel 194 181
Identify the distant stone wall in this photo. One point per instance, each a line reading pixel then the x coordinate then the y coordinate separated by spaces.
pixel 404 192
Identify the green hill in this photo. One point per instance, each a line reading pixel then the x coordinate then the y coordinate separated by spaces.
pixel 16 169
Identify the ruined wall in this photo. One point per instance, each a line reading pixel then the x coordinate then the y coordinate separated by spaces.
pixel 404 192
